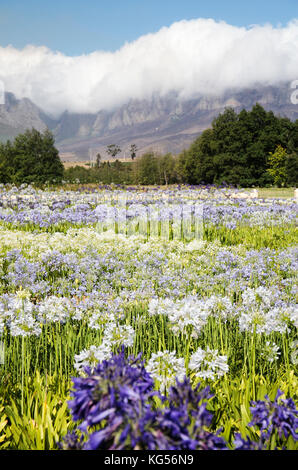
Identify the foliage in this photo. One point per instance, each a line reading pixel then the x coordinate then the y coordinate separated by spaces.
pixel 156 169
pixel 292 169
pixel 113 150
pixel 106 172
pixel 31 157
pixel 40 423
pixel 237 147
pixel 277 166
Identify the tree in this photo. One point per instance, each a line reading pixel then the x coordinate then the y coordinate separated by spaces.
pixel 148 169
pixel 277 166
pixel 133 151
pixel 6 170
pixel 32 157
pixel 113 150
pixel 235 149
pixel 167 169
pixel 98 160
pixel 292 170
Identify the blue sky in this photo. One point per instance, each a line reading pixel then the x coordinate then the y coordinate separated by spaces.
pixel 77 27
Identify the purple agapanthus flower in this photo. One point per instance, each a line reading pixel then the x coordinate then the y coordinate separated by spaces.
pixel 241 443
pixel 116 409
pixel 281 416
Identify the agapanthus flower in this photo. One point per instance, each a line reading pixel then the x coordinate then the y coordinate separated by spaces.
pixel 18 313
pixel 270 351
pixel 114 407
pixel 165 367
pixel 281 416
pixel 208 364
pixel 99 392
pixel 92 356
pixel 182 313
pixel 294 352
pixel 242 443
pixel 24 325
pixel 263 310
pixel 119 335
pixel 55 309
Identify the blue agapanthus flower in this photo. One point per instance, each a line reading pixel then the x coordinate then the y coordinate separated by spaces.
pixel 116 407
pixel 279 416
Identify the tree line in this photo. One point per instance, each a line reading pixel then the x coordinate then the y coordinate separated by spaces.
pixel 252 148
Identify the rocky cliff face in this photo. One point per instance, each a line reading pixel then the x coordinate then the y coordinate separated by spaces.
pixel 18 115
pixel 163 124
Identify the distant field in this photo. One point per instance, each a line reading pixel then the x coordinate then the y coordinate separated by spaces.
pixel 67 165
pixel 86 163
pixel 275 192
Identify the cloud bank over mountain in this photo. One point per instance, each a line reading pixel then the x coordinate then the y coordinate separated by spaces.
pixel 192 58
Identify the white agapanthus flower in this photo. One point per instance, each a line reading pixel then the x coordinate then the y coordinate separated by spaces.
pixel 2 326
pixel 119 335
pixel 24 325
pixel 18 313
pixel 166 367
pixel 55 309
pixel 208 364
pixel 262 321
pixel 160 306
pixel 189 311
pixel 270 351
pixel 293 315
pixel 264 311
pixel 92 356
pixel 220 306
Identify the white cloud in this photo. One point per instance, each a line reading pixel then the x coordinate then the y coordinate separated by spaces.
pixel 190 57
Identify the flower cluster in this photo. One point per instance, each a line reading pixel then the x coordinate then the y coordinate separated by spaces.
pixel 208 364
pixel 116 407
pixel 280 415
pixel 276 421
pixel 114 336
pixel 26 206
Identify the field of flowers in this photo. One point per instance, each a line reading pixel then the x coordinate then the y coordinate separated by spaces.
pixel 147 319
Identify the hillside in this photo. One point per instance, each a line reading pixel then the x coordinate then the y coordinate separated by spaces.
pixel 163 124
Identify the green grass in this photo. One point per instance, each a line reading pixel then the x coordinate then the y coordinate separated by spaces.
pixel 275 192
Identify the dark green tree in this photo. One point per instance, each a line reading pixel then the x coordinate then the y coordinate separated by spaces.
pixel 6 168
pixel 98 160
pixel 236 148
pixel 32 157
pixel 148 171
pixel 133 151
pixel 113 150
pixel 292 170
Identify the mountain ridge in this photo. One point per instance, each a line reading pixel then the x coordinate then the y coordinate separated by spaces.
pixel 162 124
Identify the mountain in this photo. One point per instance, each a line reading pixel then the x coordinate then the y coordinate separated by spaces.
pixel 18 115
pixel 163 124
